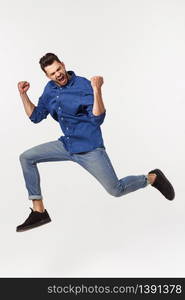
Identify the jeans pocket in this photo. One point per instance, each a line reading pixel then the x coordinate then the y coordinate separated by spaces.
pixel 100 148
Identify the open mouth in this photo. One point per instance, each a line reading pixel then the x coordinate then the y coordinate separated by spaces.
pixel 62 78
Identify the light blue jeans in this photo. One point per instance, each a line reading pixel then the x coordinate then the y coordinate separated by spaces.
pixel 96 162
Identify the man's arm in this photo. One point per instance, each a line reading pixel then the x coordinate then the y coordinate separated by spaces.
pixel 35 113
pixel 98 106
pixel 23 87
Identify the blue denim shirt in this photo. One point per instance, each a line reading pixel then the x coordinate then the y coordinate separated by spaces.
pixel 71 105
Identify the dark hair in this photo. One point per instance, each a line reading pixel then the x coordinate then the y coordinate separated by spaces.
pixel 47 60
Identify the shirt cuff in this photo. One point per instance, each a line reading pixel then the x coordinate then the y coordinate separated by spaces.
pixel 32 117
pixel 99 116
pixel 98 120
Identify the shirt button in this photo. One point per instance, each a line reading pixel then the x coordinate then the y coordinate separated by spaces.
pixel 68 138
pixel 59 107
pixel 57 96
pixel 62 118
pixel 67 128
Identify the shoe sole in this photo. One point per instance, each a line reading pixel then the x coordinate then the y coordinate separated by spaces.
pixel 159 172
pixel 42 222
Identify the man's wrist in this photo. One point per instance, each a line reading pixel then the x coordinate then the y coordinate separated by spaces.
pixel 22 94
pixel 97 89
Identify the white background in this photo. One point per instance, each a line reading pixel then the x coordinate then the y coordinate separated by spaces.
pixel 138 47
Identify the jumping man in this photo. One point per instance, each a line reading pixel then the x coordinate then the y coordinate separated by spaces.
pixel 77 105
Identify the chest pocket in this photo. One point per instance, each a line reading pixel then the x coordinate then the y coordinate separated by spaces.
pixel 70 107
pixel 72 103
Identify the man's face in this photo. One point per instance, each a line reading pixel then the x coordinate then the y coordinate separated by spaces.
pixel 57 72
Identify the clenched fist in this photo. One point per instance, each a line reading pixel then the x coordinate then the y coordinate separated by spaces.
pixel 96 82
pixel 23 87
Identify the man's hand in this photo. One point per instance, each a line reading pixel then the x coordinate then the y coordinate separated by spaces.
pixel 23 87
pixel 96 82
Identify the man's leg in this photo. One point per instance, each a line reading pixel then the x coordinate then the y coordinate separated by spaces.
pixel 47 152
pixel 99 165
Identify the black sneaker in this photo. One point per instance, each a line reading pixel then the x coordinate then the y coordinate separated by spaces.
pixel 163 185
pixel 35 219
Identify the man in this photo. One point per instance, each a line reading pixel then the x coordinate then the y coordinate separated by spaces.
pixel 77 105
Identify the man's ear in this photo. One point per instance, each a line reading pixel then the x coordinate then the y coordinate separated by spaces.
pixel 46 74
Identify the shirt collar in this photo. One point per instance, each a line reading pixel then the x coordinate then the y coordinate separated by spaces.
pixel 69 83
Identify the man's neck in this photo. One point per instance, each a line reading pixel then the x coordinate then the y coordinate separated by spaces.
pixel 68 76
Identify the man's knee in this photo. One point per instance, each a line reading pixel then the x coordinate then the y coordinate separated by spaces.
pixel 26 155
pixel 114 192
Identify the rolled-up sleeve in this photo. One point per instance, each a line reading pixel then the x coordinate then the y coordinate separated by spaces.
pixel 95 119
pixel 40 111
pixel 89 101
